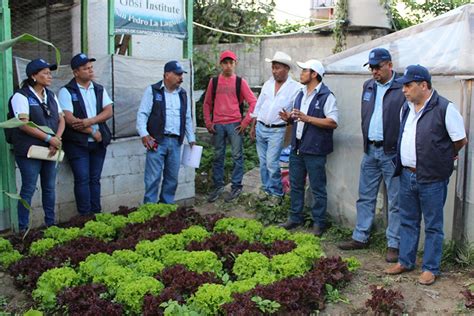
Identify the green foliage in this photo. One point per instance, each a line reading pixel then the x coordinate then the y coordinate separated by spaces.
pixel 40 246
pixel 204 172
pixel 62 235
pixel 115 221
pixel 126 257
pixel 173 308
pixel 301 239
pixel 266 306
pixel 51 282
pixel 241 286
pixel 353 263
pixel 238 16
pixel 457 255
pixel 337 233
pixel 248 264
pixel 194 233
pixel 131 294
pixel 288 265
pixel 339 32
pixel 114 275
pixel 149 210
pixel 309 253
pixel 333 295
pixel 33 312
pixel 95 264
pixel 246 229
pixel 273 233
pixel 149 267
pixel 209 297
pixel 157 249
pixel 197 261
pixel 5 245
pixel 418 12
pixel 7 258
pixel 98 230
pixel 268 215
pixel 7 254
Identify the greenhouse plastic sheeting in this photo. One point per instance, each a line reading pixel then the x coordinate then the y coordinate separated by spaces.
pixel 444 44
pixel 130 78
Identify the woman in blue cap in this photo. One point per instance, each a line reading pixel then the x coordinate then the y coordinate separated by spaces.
pixel 34 102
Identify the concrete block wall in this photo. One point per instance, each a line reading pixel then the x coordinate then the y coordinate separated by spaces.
pixel 251 57
pixel 121 182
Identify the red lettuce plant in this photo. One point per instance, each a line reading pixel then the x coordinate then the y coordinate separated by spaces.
pixel 385 301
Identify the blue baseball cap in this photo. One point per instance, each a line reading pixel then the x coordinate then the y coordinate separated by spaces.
pixel 378 55
pixel 415 73
pixel 80 60
pixel 38 64
pixel 174 66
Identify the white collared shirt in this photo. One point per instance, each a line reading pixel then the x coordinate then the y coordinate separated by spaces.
pixel 21 106
pixel 454 126
pixel 329 108
pixel 269 103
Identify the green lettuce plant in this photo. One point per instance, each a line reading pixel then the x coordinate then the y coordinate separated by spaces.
pixel 51 282
pixel 248 264
pixel 131 293
pixel 209 297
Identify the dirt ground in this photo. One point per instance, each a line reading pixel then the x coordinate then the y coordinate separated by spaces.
pixel 441 298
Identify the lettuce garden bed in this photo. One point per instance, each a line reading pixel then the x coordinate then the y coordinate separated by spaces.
pixel 158 260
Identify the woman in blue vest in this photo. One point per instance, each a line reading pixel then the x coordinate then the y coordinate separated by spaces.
pixel 35 103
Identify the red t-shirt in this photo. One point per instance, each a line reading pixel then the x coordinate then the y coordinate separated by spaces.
pixel 226 103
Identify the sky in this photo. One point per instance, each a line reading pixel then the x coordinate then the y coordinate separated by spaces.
pixel 292 10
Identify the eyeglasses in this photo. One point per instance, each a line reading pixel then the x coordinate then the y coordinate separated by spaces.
pixel 376 67
pixel 46 109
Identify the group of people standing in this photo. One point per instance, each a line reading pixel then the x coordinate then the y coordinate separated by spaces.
pixel 411 137
pixel 77 119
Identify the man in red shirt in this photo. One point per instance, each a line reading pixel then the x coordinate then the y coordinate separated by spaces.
pixel 224 119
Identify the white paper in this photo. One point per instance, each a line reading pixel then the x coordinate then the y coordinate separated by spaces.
pixel 191 156
pixel 40 152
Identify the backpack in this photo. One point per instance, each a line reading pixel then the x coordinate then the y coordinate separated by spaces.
pixel 10 132
pixel 238 85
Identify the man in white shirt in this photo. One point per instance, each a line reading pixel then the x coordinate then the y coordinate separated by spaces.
pixel 431 135
pixel 278 94
pixel 315 118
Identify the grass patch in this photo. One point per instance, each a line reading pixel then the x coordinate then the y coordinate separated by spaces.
pixel 457 255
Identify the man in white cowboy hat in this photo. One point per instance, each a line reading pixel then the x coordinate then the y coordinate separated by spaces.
pixel 278 94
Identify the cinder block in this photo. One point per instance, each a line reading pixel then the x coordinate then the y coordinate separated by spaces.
pixel 107 186
pixel 126 147
pixel 65 193
pixel 65 211
pixel 190 174
pixel 128 183
pixel 112 203
pixel 137 163
pixel 115 166
pixel 184 191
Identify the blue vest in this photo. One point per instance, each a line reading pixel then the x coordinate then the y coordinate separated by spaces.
pixel 79 111
pixel 157 119
pixel 21 140
pixel 314 140
pixel 434 147
pixel 392 103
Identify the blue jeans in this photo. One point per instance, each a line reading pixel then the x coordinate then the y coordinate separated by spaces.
pixel 417 200
pixel 30 169
pixel 223 132
pixel 374 166
pixel 166 160
pixel 269 146
pixel 315 167
pixel 86 164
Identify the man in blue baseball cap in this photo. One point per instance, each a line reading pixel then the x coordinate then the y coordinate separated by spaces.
pixel 431 135
pixel 163 119
pixel 87 107
pixel 382 99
